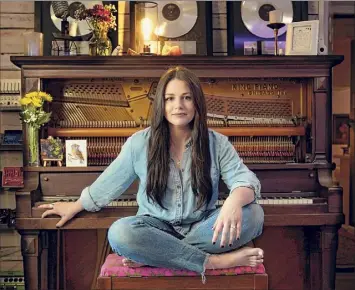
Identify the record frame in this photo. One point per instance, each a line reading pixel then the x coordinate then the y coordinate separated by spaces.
pixel 201 32
pixel 238 31
pixel 44 24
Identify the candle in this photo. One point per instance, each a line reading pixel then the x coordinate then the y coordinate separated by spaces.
pixel 33 43
pixel 73 28
pixel 275 16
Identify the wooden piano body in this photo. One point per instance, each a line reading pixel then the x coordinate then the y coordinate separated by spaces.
pixel 277 113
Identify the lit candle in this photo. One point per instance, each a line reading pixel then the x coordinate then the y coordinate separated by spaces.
pixel 147 28
pixel 275 16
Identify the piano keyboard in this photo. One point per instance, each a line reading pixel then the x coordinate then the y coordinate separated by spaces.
pixel 132 202
pixel 279 201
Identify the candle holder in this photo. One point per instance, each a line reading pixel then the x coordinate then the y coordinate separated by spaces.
pixel 146 21
pixel 276 27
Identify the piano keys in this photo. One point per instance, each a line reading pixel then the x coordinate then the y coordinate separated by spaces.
pixel 131 201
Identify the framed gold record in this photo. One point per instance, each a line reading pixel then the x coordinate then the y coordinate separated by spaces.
pixel 255 16
pixel 176 18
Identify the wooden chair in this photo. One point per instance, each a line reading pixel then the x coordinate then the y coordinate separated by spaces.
pixel 114 276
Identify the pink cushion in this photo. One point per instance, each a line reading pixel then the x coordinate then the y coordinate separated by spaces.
pixel 113 267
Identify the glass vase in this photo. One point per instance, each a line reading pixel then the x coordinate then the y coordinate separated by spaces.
pixel 100 44
pixel 32 150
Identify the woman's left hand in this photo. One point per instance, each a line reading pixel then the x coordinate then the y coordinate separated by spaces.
pixel 229 222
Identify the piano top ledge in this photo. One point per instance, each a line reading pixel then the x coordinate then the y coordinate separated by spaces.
pixel 288 166
pixel 130 61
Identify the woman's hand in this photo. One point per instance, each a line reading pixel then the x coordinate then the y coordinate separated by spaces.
pixel 229 222
pixel 66 210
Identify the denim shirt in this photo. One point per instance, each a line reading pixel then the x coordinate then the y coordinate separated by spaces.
pixel 179 201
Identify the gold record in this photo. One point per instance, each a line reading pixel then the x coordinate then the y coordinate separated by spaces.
pixel 176 18
pixel 255 16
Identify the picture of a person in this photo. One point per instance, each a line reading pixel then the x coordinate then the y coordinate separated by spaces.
pixel 343 132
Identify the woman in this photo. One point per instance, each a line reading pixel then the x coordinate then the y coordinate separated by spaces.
pixel 179 163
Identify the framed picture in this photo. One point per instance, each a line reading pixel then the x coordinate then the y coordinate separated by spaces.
pixel 76 153
pixel 47 23
pixel 193 31
pixel 341 132
pixel 52 149
pixel 257 19
pixel 302 38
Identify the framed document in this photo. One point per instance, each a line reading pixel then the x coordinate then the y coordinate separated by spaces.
pixel 302 38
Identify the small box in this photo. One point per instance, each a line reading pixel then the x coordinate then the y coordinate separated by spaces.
pixel 12 177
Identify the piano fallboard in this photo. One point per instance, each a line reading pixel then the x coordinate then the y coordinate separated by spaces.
pixel 104 219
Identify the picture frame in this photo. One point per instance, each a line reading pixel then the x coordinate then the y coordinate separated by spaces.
pixel 341 129
pixel 200 35
pixel 52 150
pixel 302 38
pixel 44 23
pixel 238 31
pixel 76 153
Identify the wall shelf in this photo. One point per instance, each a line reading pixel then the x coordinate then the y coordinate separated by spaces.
pixel 4 109
pixel 6 147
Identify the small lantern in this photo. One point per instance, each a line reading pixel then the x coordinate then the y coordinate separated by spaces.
pixel 146 21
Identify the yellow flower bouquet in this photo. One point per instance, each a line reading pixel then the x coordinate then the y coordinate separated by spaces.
pixel 33 113
pixel 34 116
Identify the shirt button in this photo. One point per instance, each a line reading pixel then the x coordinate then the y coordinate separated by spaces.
pixel 179 204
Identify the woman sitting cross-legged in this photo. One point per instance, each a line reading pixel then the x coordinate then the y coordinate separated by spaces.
pixel 178 161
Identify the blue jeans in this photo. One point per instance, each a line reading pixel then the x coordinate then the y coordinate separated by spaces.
pixel 150 241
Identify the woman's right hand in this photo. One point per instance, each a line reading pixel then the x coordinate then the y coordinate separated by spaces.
pixel 66 210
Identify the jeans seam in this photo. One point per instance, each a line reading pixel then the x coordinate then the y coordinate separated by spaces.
pixel 203 274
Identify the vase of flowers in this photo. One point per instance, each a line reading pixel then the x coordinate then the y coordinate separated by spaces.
pixel 33 116
pixel 99 43
pixel 100 19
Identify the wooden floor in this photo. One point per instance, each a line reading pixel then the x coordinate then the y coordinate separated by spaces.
pixel 345 277
pixel 345 281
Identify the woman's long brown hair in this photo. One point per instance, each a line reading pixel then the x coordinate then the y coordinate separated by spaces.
pixel 159 142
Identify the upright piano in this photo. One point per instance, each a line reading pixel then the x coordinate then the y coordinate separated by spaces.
pixel 276 111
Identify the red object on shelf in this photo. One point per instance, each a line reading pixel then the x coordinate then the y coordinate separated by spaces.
pixel 12 177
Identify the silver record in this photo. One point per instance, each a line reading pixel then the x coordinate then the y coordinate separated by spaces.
pixel 77 28
pixel 176 18
pixel 256 25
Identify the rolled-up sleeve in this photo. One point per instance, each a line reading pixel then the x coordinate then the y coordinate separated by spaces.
pixel 233 170
pixel 114 181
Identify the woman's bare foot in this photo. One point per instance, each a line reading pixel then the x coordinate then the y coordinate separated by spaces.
pixel 245 256
pixel 131 264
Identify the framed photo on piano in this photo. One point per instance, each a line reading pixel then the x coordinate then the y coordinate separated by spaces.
pixel 76 153
pixel 302 38
pixel 341 132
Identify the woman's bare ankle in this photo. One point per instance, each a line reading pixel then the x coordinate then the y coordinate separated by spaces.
pixel 215 261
